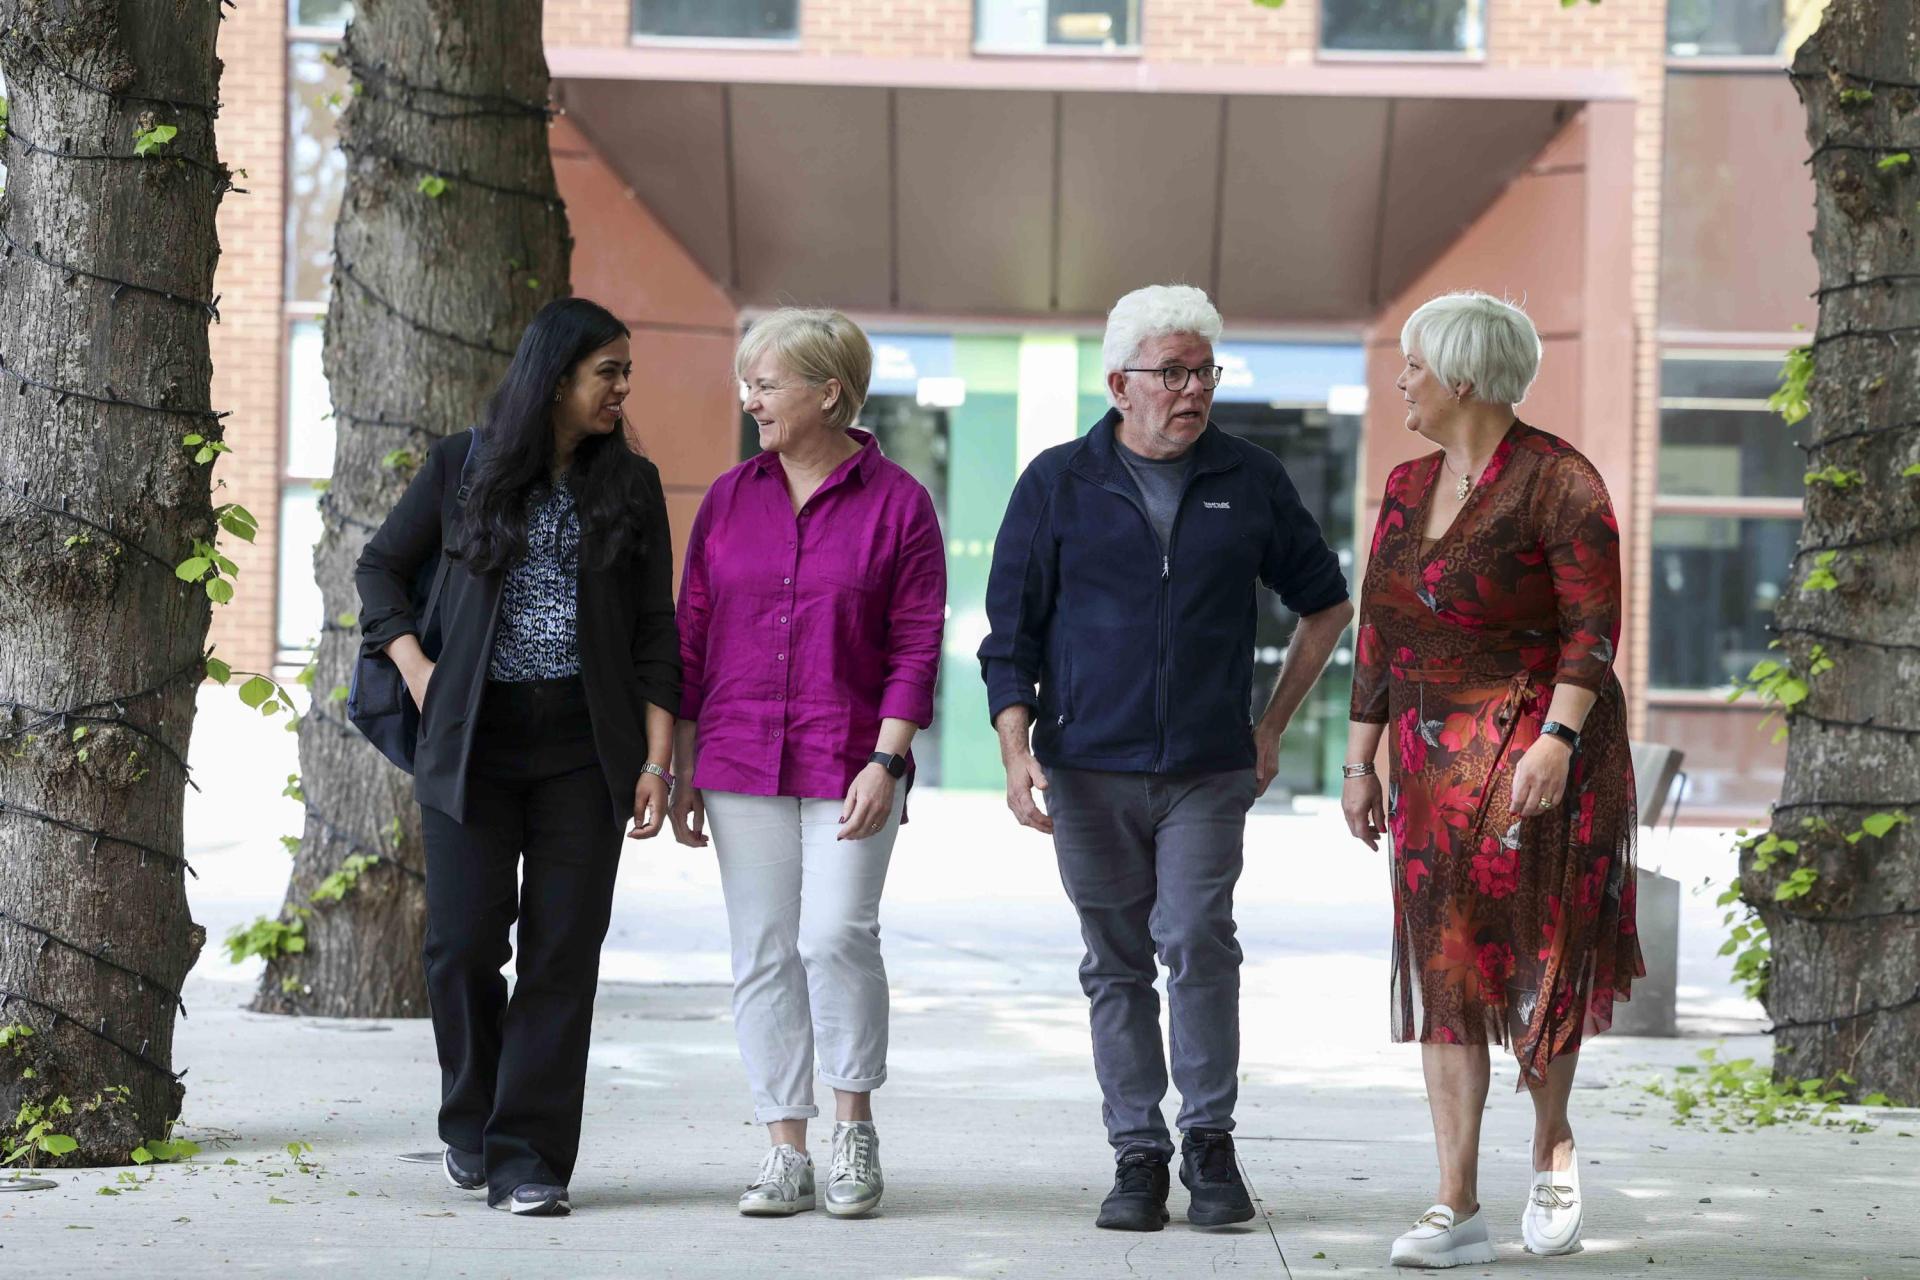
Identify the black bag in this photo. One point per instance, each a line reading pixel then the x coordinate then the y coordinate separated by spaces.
pixel 378 702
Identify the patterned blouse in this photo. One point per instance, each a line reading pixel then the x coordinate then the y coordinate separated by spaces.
pixel 539 600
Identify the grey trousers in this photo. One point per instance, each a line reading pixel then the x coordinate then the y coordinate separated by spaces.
pixel 1150 861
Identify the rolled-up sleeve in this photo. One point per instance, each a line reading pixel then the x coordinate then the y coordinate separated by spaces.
pixel 916 617
pixel 1299 565
pixel 656 638
pixel 410 535
pixel 1020 595
pixel 694 613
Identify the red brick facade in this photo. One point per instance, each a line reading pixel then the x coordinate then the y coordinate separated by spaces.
pixel 248 354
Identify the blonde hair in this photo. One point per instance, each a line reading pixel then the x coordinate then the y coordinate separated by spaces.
pixel 1477 338
pixel 816 346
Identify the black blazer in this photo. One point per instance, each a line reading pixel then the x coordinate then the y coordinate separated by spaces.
pixel 629 650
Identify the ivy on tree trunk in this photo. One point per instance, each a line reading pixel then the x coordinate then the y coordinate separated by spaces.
pixel 1837 881
pixel 106 277
pixel 451 235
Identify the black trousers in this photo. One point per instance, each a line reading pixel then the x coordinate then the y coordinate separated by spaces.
pixel 513 1072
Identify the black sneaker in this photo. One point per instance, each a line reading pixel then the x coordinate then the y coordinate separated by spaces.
pixel 537 1199
pixel 1212 1176
pixel 1138 1201
pixel 464 1169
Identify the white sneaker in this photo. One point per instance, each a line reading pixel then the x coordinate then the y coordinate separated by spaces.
pixel 1551 1223
pixel 1438 1241
pixel 783 1187
pixel 855 1183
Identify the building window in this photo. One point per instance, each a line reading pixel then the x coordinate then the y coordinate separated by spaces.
pixel 316 176
pixel 717 19
pixel 316 168
pixel 1725 28
pixel 1403 26
pixel 1726 516
pixel 320 15
pixel 1034 26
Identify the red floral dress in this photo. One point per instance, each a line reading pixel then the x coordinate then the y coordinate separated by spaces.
pixel 1507 927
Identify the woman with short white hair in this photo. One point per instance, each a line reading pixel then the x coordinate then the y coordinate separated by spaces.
pixel 810 613
pixel 1489 621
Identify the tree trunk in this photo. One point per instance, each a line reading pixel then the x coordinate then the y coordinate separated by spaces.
pixel 451 235
pixel 105 289
pixel 1844 987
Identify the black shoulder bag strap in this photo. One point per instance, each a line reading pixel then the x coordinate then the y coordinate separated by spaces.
pixel 459 500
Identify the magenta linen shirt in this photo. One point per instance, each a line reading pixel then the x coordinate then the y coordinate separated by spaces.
pixel 800 633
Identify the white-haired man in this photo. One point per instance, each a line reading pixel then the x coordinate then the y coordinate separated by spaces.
pixel 1122 608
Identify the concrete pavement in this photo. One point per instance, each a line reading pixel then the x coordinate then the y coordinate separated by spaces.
pixel 990 1123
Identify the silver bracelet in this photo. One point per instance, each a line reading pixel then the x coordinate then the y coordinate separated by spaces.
pixel 658 772
pixel 1362 770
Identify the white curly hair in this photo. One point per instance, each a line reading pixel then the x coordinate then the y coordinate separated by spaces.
pixel 1153 312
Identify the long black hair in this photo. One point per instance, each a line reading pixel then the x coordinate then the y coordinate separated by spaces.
pixel 607 478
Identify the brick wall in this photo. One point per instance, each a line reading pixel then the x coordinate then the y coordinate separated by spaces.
pixel 1629 35
pixel 247 343
pixel 588 22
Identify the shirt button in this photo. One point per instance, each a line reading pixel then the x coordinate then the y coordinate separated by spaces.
pixel 780 657
pixel 776 733
pixel 783 617
pixel 787 582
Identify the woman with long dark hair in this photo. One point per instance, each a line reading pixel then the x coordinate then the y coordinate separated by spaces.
pixel 546 719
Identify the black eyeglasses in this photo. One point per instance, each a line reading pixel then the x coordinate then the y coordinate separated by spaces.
pixel 1174 377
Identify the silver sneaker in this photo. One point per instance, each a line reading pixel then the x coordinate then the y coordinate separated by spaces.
pixel 855 1183
pixel 783 1187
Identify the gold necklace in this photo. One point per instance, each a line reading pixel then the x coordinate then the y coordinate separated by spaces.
pixel 1463 484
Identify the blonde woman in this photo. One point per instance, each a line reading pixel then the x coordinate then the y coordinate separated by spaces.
pixel 810 622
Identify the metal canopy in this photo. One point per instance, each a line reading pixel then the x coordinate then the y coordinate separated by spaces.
pixel 1014 202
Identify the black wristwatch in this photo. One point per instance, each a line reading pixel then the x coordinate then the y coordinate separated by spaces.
pixel 896 766
pixel 1565 733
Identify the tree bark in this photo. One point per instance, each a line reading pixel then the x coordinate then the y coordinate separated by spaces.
pixel 430 293
pixel 101 644
pixel 1844 986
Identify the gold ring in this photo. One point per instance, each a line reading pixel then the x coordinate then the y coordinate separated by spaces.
pixel 1545 803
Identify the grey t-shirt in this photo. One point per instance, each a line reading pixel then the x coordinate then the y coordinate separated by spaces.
pixel 1160 481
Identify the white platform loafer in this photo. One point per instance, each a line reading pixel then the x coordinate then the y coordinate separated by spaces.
pixel 1551 1223
pixel 1438 1241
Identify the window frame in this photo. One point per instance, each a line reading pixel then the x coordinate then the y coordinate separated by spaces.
pixel 1405 57
pixel 1757 348
pixel 645 40
pixel 1132 50
pixel 292 312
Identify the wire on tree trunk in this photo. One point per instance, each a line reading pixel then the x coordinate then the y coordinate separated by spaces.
pixel 99 956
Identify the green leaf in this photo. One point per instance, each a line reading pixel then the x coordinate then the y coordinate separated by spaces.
pixel 203 454
pixel 145 140
pixel 432 186
pixel 219 590
pixel 58 1144
pixel 192 438
pixel 219 670
pixel 140 1155
pixel 256 691
pixel 337 694
pixel 192 569
pixel 1790 401
pixel 1910 471
pixel 277 1200
pixel 1878 824
pixel 239 522
pixel 227 566
pixel 1898 160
